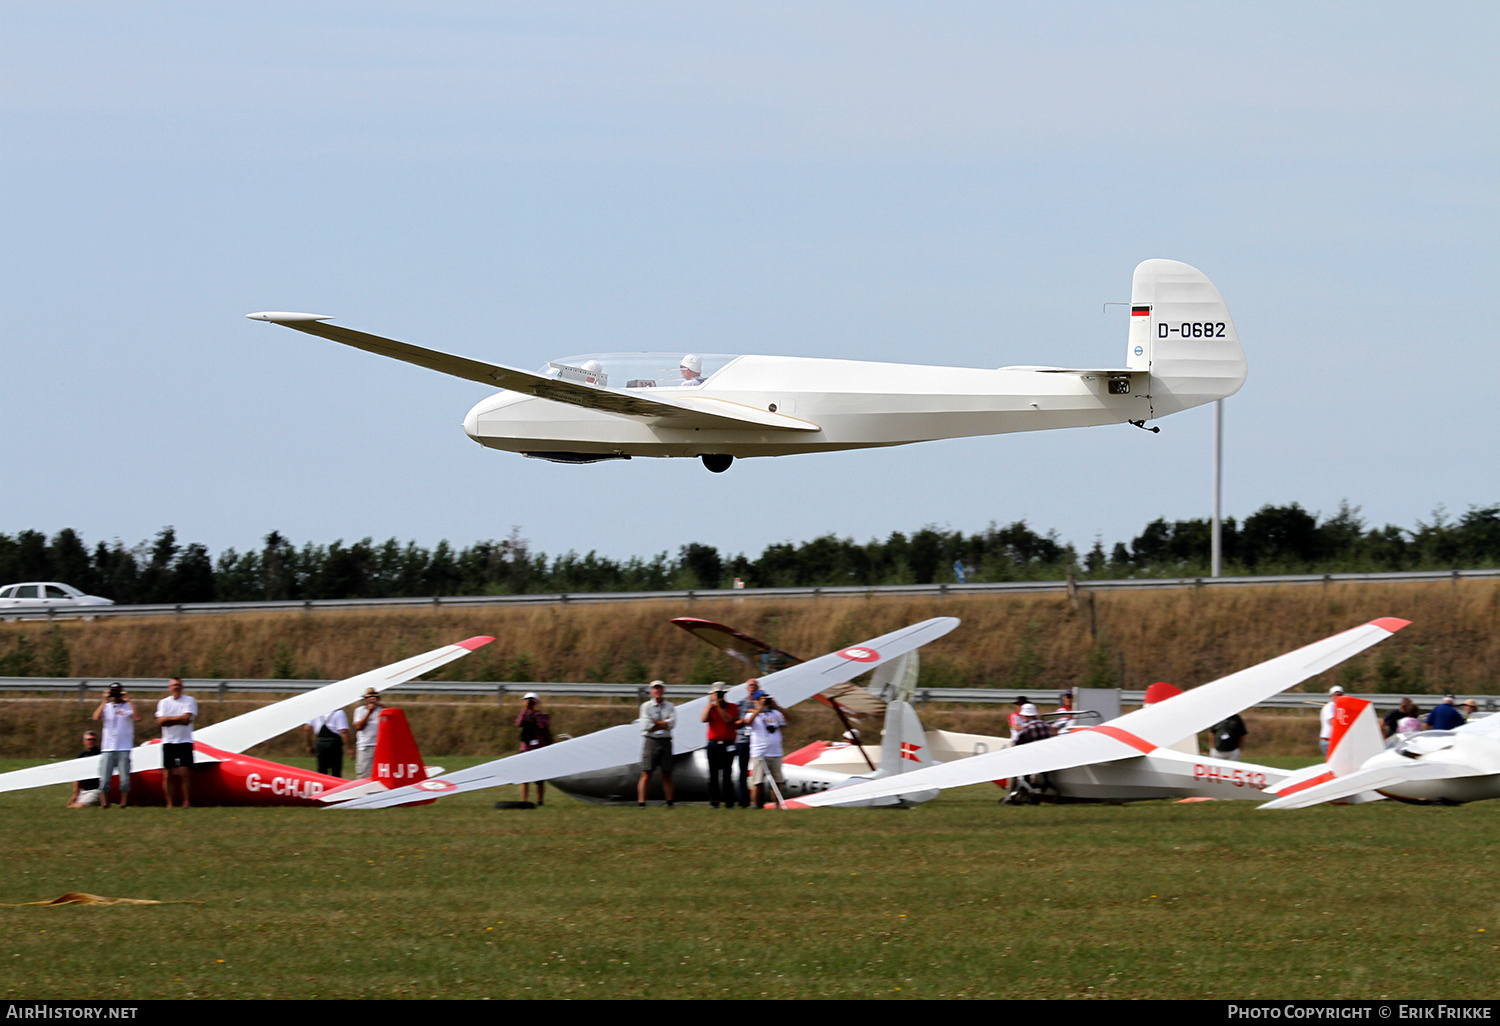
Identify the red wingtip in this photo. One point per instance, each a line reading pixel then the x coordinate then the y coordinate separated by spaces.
pixel 472 643
pixel 792 803
pixel 1390 623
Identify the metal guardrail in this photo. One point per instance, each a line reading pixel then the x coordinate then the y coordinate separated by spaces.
pixel 92 688
pixel 719 594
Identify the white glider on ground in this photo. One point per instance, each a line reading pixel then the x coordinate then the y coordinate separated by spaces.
pixel 621 745
pixel 1442 767
pixel 239 733
pixel 1182 352
pixel 1138 745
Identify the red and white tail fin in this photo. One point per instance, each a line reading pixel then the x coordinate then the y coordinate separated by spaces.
pixel 397 760
pixel 1160 692
pixel 1356 735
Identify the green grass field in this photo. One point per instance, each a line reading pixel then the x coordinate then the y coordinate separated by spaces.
pixel 959 898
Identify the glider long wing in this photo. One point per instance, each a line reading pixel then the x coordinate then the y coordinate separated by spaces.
pixel 1136 733
pixel 617 746
pixel 685 411
pixel 146 757
pixel 765 659
pixel 251 728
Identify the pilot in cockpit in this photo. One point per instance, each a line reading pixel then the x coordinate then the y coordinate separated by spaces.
pixel 692 369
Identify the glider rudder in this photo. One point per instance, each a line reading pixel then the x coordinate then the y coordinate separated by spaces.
pixel 1181 332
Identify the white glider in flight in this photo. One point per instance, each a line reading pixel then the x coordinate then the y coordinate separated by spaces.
pixel 1182 352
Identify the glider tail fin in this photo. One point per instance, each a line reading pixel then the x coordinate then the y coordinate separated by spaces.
pixel 1356 735
pixel 1181 332
pixel 903 747
pixel 397 760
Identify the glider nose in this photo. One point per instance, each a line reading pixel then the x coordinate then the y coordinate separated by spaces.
pixel 471 423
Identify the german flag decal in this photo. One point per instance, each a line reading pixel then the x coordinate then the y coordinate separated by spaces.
pixel 1140 311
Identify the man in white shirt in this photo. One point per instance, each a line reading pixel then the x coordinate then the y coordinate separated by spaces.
pixel 658 717
pixel 1325 721
pixel 328 736
pixel 766 722
pixel 117 716
pixel 366 733
pixel 175 715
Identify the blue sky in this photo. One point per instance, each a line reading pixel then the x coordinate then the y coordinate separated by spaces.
pixel 943 183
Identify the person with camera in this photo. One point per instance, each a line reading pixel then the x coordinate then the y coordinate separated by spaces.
pixel 723 719
pixel 766 722
pixel 117 717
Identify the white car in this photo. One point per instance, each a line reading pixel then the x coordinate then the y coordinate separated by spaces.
pixel 48 595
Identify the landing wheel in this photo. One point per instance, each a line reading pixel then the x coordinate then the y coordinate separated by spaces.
pixel 717 462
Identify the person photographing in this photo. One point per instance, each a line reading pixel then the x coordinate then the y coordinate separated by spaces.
pixel 766 722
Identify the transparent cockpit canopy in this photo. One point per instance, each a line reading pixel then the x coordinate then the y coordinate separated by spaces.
pixel 634 370
pixel 1425 743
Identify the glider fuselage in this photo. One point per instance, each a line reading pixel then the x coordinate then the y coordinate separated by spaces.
pixel 844 405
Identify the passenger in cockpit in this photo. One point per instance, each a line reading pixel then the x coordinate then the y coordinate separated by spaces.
pixel 692 369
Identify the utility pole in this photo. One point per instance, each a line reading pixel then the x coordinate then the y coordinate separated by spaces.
pixel 1216 558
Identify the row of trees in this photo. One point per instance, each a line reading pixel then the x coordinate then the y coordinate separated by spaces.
pixel 1275 539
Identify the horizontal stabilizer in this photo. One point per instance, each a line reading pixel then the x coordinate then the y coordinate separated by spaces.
pixel 1371 780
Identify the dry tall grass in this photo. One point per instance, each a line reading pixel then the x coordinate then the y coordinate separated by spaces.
pixel 1129 639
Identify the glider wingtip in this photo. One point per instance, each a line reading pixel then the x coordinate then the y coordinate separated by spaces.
pixel 1390 623
pixel 286 317
pixel 479 641
pixel 792 803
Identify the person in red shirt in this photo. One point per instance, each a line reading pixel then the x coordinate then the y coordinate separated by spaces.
pixel 721 717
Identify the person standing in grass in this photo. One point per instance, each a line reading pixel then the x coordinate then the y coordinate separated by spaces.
pixel 1018 718
pixel 722 718
pixel 1229 736
pixel 536 732
pixel 1325 721
pixel 742 743
pixel 767 722
pixel 328 736
pixel 1445 715
pixel 366 733
pixel 117 716
pixel 658 717
pixel 1405 711
pixel 175 715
